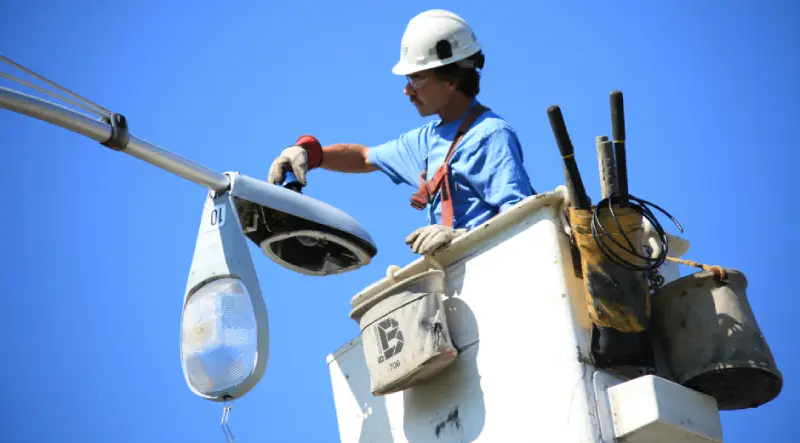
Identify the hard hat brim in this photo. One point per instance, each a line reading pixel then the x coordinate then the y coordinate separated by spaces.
pixel 404 68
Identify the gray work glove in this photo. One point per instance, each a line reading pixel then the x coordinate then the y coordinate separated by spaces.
pixel 293 158
pixel 429 238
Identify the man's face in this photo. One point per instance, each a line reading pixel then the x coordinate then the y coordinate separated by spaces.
pixel 427 92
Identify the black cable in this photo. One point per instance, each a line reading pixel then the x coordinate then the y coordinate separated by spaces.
pixel 639 206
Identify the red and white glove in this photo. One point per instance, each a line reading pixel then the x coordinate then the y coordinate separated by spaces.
pixel 304 155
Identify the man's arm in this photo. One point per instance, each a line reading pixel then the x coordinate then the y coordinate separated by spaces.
pixel 401 159
pixel 346 157
pixel 307 154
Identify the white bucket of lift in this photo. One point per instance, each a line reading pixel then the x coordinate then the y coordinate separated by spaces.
pixel 405 334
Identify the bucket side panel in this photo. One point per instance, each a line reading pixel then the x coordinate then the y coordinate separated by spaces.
pixel 520 325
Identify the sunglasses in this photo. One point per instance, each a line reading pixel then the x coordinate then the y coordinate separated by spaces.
pixel 417 83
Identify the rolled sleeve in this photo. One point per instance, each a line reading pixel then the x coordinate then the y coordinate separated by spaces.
pixel 401 159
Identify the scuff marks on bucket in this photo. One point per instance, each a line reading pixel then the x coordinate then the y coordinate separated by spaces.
pixel 451 420
pixel 434 327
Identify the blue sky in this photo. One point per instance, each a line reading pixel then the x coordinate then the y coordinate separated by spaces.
pixel 98 244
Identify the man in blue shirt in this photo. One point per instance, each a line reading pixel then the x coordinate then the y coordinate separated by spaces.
pixel 484 174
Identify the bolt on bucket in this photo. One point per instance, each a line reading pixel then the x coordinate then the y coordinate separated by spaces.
pixel 405 333
pixel 711 340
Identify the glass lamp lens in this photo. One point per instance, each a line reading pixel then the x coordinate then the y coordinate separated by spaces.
pixel 218 337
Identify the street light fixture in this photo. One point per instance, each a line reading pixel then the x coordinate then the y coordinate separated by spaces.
pixel 224 336
pixel 224 327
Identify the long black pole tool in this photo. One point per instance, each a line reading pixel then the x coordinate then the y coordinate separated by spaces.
pixel 618 135
pixel 574 183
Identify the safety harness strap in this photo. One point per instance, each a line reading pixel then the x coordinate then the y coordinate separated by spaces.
pixel 428 188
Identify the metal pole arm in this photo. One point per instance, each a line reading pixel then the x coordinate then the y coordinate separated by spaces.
pixel 101 132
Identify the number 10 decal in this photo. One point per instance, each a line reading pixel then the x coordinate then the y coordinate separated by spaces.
pixel 216 218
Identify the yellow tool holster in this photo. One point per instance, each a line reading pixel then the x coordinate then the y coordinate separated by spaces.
pixel 616 297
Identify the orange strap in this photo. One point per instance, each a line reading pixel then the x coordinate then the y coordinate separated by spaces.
pixel 428 188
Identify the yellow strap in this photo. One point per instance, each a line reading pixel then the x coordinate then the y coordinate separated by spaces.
pixel 715 268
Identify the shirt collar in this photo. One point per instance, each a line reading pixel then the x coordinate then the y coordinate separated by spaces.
pixel 457 121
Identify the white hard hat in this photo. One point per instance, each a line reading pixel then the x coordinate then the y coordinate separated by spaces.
pixel 435 38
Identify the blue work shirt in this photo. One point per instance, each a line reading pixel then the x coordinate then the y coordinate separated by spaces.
pixel 486 171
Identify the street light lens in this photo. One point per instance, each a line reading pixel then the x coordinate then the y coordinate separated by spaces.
pixel 314 251
pixel 219 337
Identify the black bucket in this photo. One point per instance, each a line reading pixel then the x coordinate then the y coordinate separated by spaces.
pixel 711 340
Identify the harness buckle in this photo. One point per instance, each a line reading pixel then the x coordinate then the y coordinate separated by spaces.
pixel 418 202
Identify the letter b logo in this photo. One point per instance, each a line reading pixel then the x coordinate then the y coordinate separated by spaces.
pixel 391 339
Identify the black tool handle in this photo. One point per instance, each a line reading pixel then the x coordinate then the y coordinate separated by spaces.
pixel 573 177
pixel 618 135
pixel 292 182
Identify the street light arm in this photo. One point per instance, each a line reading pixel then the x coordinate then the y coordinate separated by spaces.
pixel 101 132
